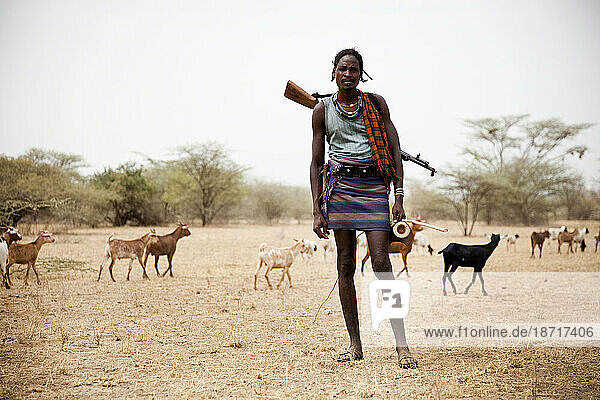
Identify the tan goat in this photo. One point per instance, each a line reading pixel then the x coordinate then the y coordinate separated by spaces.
pixel 278 258
pixel 117 249
pixel 27 253
pixel 566 237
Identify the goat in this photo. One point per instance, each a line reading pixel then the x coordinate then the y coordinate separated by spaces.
pixel 597 237
pixel 308 253
pixel 165 245
pixel 328 247
pixel 422 243
pixel 9 235
pixel 117 249
pixel 27 253
pixel 473 256
pixel 537 239
pixel 554 233
pixel 566 237
pixel 579 237
pixel 396 248
pixel 278 258
pixel 511 240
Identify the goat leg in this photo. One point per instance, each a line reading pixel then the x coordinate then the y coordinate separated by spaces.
pixel 145 275
pixel 110 267
pixel 267 276
pixel 472 282
pixel 258 267
pixel 7 274
pixel 480 273
pixel 129 267
pixel 37 277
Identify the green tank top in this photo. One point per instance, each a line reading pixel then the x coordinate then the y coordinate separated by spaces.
pixel 347 137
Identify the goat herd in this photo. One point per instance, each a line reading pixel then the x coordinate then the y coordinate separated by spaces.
pixel 454 254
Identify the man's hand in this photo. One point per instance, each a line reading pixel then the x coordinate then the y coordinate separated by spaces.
pixel 320 226
pixel 398 210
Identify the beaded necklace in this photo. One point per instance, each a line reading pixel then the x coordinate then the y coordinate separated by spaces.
pixel 344 113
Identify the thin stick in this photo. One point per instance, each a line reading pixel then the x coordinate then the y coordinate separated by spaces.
pixel 329 295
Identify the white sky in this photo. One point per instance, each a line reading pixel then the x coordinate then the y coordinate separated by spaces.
pixel 104 79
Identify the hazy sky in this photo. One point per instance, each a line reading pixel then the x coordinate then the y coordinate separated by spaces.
pixel 105 79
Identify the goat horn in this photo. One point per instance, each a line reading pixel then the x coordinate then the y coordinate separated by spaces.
pixel 426 225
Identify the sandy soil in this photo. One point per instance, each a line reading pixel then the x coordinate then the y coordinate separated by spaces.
pixel 207 334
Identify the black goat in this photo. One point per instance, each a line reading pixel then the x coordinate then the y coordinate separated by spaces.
pixel 474 256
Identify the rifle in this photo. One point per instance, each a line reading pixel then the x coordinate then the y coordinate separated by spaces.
pixel 299 95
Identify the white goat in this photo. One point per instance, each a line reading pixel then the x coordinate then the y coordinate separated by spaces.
pixel 278 258
pixel 580 236
pixel 421 243
pixel 9 235
pixel 511 240
pixel 310 250
pixel 328 247
pixel 554 233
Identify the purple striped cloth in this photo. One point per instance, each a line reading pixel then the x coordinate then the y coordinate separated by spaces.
pixel 354 203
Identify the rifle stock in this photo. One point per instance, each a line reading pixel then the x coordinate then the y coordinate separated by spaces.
pixel 300 96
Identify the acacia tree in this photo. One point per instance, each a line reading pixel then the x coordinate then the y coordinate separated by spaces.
pixel 526 160
pixel 204 181
pixel 465 190
pixel 27 187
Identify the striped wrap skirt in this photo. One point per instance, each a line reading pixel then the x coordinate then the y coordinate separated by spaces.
pixel 355 203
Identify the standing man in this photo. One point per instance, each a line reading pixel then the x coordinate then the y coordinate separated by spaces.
pixel 364 160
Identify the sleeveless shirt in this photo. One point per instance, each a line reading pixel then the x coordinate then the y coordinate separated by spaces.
pixel 347 137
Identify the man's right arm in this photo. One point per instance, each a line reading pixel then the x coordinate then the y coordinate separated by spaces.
pixel 317 160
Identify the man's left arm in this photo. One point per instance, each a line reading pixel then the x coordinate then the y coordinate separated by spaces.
pixel 394 143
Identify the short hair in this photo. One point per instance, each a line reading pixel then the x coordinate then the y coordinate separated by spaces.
pixel 350 52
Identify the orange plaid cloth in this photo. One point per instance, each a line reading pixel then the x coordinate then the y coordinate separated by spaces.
pixel 378 139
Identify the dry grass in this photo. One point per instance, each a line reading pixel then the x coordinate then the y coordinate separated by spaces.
pixel 207 334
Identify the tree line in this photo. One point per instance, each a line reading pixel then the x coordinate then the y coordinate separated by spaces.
pixel 201 182
pixel 512 170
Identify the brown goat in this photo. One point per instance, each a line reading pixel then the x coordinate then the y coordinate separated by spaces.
pixel 566 237
pixel 537 239
pixel 27 253
pixel 117 249
pixel 597 237
pixel 396 248
pixel 165 245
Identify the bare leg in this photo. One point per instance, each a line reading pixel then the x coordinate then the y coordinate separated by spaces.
pixel 382 267
pixel 346 266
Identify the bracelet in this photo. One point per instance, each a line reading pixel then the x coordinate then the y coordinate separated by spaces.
pixel 399 191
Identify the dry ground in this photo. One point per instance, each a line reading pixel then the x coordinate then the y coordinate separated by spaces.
pixel 207 334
